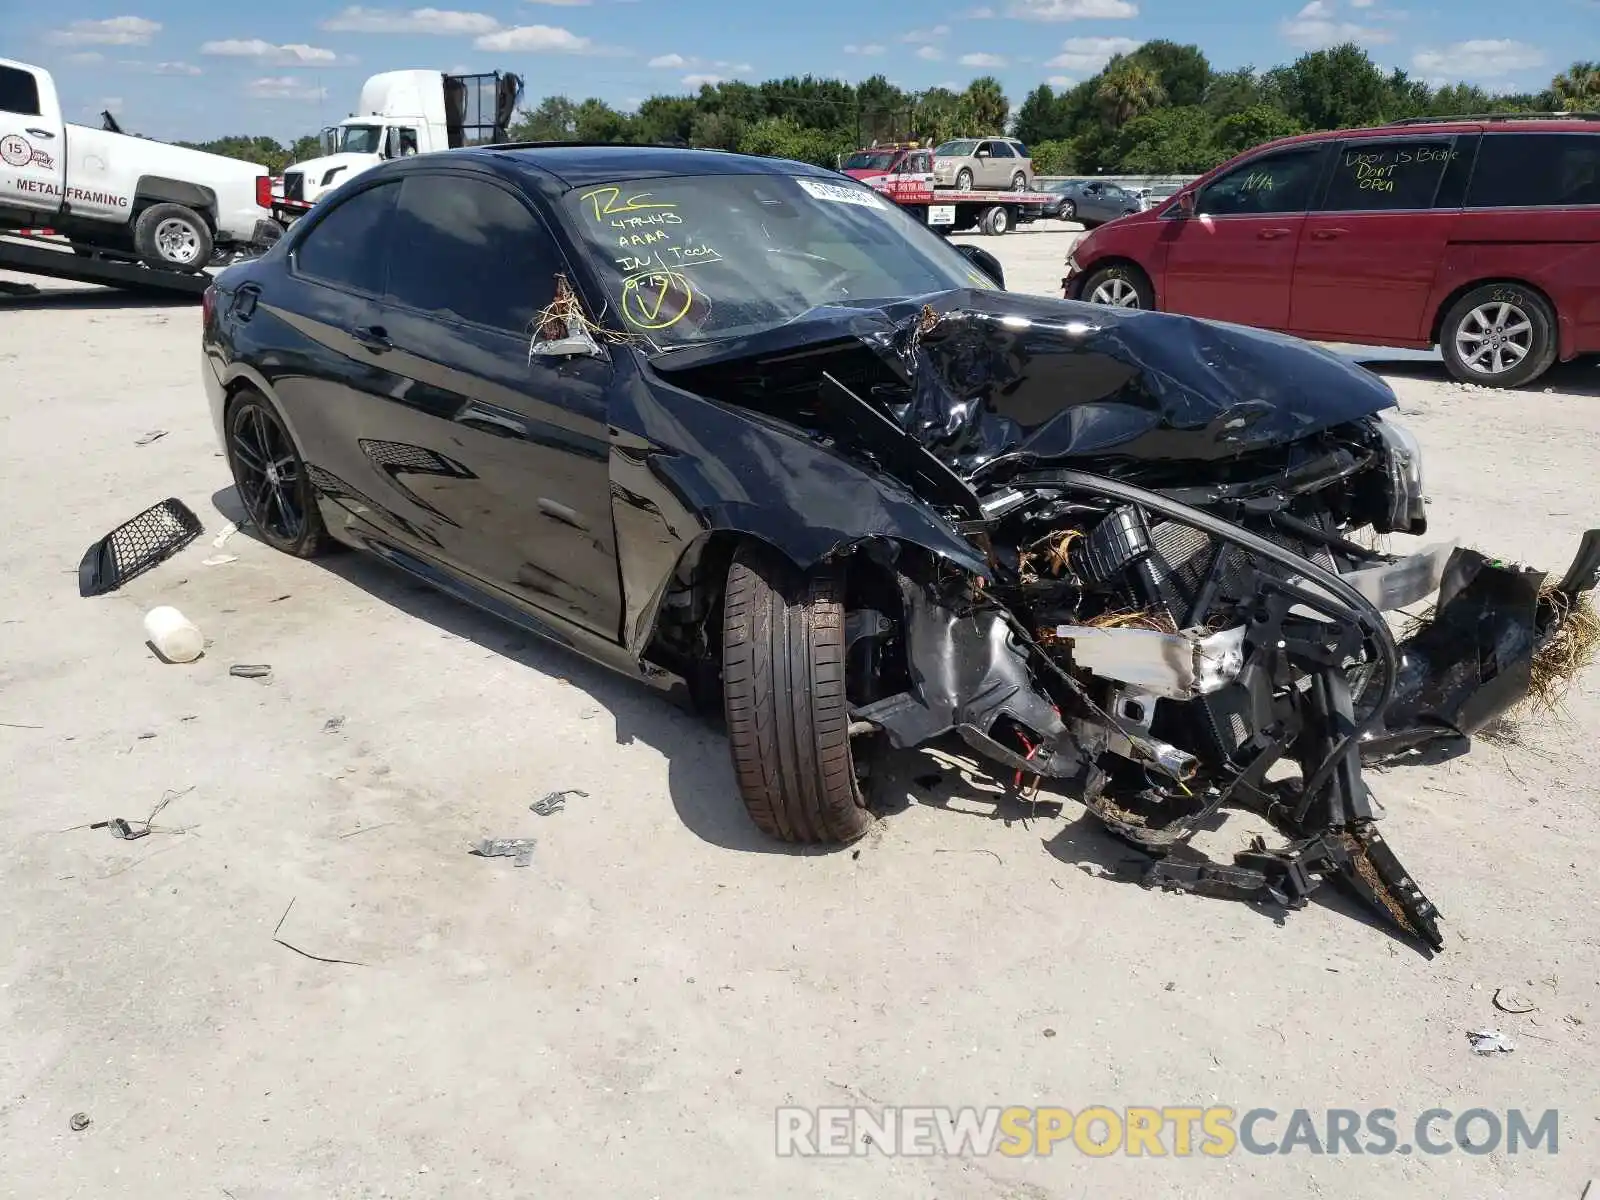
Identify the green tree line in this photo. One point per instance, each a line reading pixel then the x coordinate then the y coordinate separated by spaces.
pixel 1160 109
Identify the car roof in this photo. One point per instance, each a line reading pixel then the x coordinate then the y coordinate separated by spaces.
pixel 558 167
pixel 1577 123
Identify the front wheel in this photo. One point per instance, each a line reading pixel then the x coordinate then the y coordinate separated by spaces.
pixel 783 682
pixel 171 237
pixel 1119 287
pixel 1499 335
pixel 964 180
pixel 1069 211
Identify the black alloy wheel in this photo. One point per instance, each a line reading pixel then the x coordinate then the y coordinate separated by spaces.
pixel 271 478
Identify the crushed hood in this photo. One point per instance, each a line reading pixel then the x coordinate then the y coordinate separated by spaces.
pixel 974 375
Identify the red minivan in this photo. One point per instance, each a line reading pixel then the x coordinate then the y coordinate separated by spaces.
pixel 1478 235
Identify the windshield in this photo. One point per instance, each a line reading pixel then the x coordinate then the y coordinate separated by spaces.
pixel 697 259
pixel 956 149
pixel 360 139
pixel 863 160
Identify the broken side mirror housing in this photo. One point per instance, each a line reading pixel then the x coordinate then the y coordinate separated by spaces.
pixel 985 262
pixel 576 342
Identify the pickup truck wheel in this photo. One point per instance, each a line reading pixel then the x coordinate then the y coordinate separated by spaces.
pixel 783 683
pixel 1119 287
pixel 271 477
pixel 1499 335
pixel 173 238
pixel 963 180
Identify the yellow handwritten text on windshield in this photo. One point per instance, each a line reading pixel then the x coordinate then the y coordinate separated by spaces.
pixel 657 300
pixel 609 201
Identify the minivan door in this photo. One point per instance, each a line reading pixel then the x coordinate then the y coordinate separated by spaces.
pixel 32 141
pixel 1372 246
pixel 1233 260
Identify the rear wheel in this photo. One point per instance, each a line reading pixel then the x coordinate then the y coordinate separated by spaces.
pixel 996 220
pixel 783 679
pixel 173 238
pixel 1499 335
pixel 1120 287
pixel 272 480
pixel 1019 182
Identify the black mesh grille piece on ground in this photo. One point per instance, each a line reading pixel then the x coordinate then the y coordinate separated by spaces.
pixel 135 546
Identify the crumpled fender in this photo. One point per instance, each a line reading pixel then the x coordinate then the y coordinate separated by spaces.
pixel 684 468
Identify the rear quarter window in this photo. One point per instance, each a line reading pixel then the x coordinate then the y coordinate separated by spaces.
pixel 1521 170
pixel 348 247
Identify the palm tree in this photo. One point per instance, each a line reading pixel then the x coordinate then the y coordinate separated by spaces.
pixel 1578 88
pixel 1127 89
pixel 985 105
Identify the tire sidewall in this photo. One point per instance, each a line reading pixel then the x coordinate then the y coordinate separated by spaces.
pixel 1140 287
pixel 1541 353
pixel 153 218
pixel 961 175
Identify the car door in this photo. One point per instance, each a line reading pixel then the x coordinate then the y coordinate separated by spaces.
pixel 1372 247
pixel 509 449
pixel 1233 260
pixel 1003 163
pixel 1092 202
pixel 32 153
pixel 983 173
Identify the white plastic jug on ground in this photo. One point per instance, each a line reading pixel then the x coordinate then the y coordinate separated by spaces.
pixel 176 637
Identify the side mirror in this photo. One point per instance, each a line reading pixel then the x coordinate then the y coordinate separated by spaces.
pixel 985 262
pixel 575 341
pixel 981 154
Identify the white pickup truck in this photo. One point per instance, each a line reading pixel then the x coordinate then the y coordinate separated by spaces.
pixel 402 113
pixel 170 206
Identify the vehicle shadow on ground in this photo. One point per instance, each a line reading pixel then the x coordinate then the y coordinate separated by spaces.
pixel 88 299
pixel 1088 846
pixel 1578 378
pixel 699 773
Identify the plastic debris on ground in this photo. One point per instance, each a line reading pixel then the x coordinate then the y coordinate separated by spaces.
pixel 1490 1041
pixel 554 802
pixel 250 670
pixel 519 850
pixel 136 545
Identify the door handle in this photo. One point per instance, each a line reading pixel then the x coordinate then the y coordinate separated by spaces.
pixel 40 133
pixel 1327 235
pixel 373 337
pixel 1268 235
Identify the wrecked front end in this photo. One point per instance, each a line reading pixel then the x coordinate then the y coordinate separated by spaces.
pixel 1183 610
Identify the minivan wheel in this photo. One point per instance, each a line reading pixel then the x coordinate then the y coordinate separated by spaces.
pixel 1019 182
pixel 1499 335
pixel 1120 287
pixel 272 480
pixel 963 180
pixel 783 683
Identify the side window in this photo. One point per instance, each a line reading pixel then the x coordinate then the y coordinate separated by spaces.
pixel 1521 169
pixel 469 251
pixel 1002 149
pixel 348 246
pixel 19 92
pixel 1022 151
pixel 1277 183
pixel 1372 176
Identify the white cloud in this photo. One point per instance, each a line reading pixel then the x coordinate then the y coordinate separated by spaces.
pixel 444 22
pixel 668 60
pixel 695 81
pixel 982 60
pixel 284 87
pixel 294 54
pixel 1089 54
pixel 931 53
pixel 1362 3
pixel 162 68
pixel 926 35
pixel 1487 59
pixel 1317 26
pixel 1072 10
pixel 536 39
pixel 85 57
pixel 1062 81
pixel 563 3
pixel 701 66
pixel 979 14
pixel 870 48
pixel 113 31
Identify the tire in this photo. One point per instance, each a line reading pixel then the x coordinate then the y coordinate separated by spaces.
pixel 170 237
pixel 257 439
pixel 1489 323
pixel 783 684
pixel 996 220
pixel 1127 284
pixel 1069 210
pixel 1019 182
pixel 963 180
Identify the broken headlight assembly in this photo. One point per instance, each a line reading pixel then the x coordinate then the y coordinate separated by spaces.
pixel 1402 466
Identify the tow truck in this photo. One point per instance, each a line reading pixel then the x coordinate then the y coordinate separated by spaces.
pixel 44 252
pixel 948 211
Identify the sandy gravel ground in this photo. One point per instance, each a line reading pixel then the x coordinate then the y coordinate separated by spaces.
pixel 622 1017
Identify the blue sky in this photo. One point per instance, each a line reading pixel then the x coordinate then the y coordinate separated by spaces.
pixel 196 70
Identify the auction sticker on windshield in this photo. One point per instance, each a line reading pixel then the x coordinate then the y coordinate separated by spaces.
pixel 843 195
